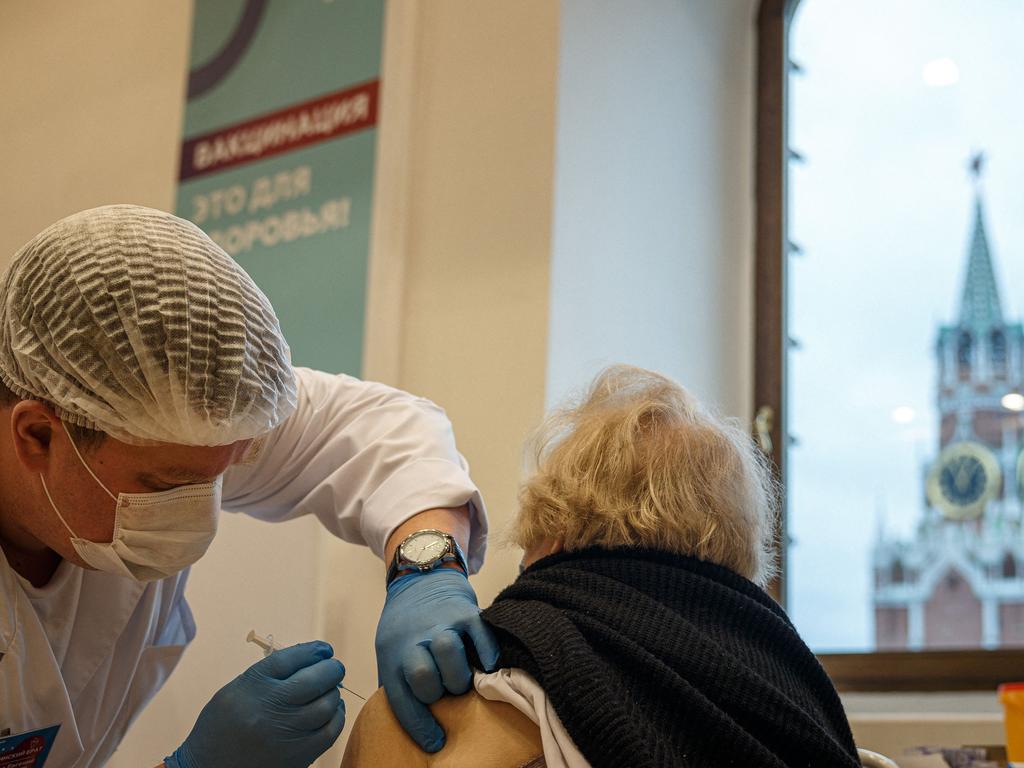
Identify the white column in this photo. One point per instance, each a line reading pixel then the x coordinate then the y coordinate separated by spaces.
pixel 979 358
pixel 1013 361
pixel 989 623
pixel 915 625
pixel 964 413
pixel 1008 456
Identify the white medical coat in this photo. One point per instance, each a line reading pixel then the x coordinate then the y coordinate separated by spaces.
pixel 89 650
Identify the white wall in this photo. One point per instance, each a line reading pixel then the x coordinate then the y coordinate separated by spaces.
pixel 92 96
pixel 478 261
pixel 652 258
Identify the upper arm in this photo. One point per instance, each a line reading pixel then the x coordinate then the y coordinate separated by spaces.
pixel 481 733
pixel 363 457
pixel 378 741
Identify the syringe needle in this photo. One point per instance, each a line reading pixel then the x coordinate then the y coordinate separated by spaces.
pixel 346 688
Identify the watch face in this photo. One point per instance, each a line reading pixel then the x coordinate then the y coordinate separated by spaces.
pixel 424 547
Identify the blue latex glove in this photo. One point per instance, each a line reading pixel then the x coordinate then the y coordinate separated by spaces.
pixel 283 711
pixel 420 648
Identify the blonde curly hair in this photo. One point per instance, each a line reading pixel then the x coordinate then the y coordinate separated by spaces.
pixel 638 461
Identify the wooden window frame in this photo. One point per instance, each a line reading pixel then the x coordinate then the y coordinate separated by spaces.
pixel 869 671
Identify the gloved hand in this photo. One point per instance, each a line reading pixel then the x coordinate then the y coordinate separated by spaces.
pixel 283 711
pixel 420 650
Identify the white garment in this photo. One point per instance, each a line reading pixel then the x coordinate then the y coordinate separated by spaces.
pixel 90 649
pixel 518 688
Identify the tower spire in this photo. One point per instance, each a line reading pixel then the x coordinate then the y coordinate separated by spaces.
pixel 980 308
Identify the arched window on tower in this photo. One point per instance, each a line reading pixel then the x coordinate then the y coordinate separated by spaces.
pixel 898 575
pixel 963 354
pixel 1009 566
pixel 998 342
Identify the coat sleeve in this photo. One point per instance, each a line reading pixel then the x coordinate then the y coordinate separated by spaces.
pixel 362 457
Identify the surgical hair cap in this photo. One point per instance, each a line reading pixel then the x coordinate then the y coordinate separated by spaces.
pixel 132 321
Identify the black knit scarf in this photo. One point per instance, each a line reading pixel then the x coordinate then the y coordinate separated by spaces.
pixel 653 659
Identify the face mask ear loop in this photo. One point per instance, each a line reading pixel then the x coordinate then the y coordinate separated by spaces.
pixel 59 515
pixel 87 467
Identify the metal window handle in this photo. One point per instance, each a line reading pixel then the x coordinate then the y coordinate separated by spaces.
pixel 763 423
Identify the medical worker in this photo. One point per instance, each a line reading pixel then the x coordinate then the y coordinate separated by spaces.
pixel 146 386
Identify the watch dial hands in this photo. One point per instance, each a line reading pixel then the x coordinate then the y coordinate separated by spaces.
pixel 422 552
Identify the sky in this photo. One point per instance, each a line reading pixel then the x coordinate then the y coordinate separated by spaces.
pixel 894 98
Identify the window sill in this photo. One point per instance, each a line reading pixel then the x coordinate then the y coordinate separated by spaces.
pixel 890 723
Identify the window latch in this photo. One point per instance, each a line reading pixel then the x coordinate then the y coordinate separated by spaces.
pixel 763 423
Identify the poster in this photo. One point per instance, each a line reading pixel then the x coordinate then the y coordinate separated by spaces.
pixel 277 158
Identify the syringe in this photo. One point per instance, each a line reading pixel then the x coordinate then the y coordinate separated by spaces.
pixel 268 646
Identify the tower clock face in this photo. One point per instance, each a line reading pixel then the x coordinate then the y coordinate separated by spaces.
pixel 963 479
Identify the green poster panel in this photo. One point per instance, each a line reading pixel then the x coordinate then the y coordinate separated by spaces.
pixel 277 158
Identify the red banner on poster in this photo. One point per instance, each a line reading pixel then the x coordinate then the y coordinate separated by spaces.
pixel 300 125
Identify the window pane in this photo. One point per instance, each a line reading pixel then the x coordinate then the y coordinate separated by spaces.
pixel 904 375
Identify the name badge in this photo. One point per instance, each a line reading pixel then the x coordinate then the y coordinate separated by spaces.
pixel 27 750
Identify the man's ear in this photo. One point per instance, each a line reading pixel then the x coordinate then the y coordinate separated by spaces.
pixel 33 425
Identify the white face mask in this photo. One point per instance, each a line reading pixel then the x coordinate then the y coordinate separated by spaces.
pixel 156 535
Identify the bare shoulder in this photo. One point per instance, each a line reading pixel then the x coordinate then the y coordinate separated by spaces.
pixel 481 733
pixel 378 740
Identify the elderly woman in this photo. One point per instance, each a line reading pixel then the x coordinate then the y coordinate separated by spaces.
pixel 638 633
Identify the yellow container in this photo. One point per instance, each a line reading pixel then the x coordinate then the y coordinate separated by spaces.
pixel 1012 697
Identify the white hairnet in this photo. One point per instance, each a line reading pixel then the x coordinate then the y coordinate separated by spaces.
pixel 132 321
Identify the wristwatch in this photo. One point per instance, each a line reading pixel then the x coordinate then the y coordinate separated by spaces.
pixel 425 550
